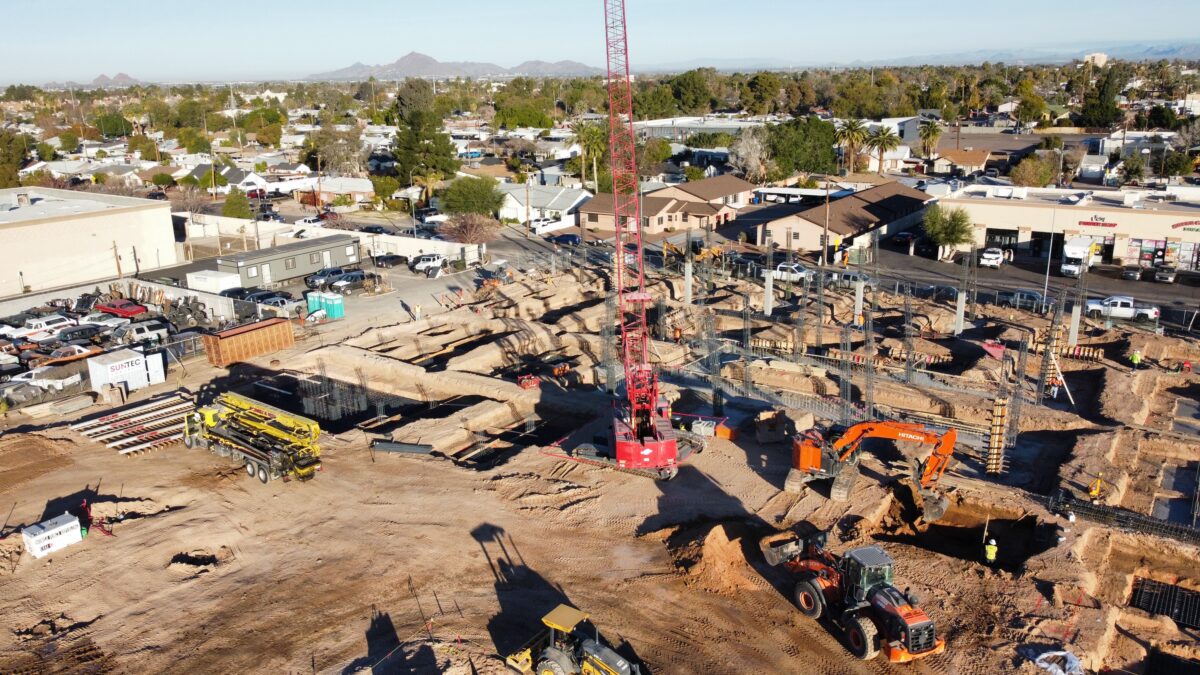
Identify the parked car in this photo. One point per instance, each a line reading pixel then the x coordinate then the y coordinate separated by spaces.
pixel 286 305
pixel 83 333
pixel 991 257
pixel 788 271
pixel 44 378
pixel 270 217
pixel 311 220
pixel 1164 274
pixel 903 239
pixel 373 229
pixel 142 331
pixel 261 296
pixel 992 173
pixel 256 194
pixel 1023 298
pixel 122 307
pixel 540 222
pixel 329 215
pixel 65 355
pixel 1121 307
pixel 1131 273
pixel 38 327
pixel 107 322
pixel 237 292
pixel 322 277
pixel 157 195
pixel 388 261
pixel 427 261
pixel 352 281
pixel 422 214
pixel 566 239
pixel 852 277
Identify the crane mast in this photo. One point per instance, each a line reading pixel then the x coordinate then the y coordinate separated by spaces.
pixel 643 437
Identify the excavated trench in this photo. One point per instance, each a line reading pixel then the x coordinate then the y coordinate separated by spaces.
pixel 336 405
pixel 962 532
pixel 437 362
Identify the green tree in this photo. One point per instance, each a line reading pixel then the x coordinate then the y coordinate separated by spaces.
pixel 210 179
pixel 145 145
pixel 1052 142
pixel 1030 109
pixel 45 152
pixel 1178 164
pixel 420 145
pixel 68 141
pixel 947 227
pixel 693 173
pixel 193 140
pixel 1100 105
pixel 692 93
pixel 162 180
pixel 1162 117
pixel 593 142
pixel 385 186
pixel 929 132
pixel 112 125
pixel 1133 169
pixel 236 205
pixel 14 150
pixel 1033 171
pixel 654 103
pixel 709 139
pixel 851 135
pixel 427 180
pixel 803 144
pixel 883 140
pixel 472 195
pixel 653 153
pixel 414 94
pixel 761 93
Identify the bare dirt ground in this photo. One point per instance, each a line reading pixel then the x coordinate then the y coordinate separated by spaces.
pixel 391 563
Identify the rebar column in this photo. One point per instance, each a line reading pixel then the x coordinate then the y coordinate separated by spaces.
pixel 607 343
pixel 820 327
pixel 869 351
pixel 847 372
pixel 908 334
pixel 1050 346
pixel 713 360
pixel 799 346
pixel 1018 396
pixel 996 433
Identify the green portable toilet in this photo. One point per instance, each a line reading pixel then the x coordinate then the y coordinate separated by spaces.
pixel 335 306
pixel 314 301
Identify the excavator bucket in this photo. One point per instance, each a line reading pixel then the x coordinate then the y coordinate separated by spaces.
pixel 933 506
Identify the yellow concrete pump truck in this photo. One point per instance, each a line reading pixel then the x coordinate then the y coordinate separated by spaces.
pixel 269 442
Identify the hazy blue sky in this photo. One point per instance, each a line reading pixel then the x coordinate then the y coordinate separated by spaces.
pixel 225 39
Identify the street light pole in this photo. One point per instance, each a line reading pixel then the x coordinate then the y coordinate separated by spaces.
pixel 825 232
pixel 1049 253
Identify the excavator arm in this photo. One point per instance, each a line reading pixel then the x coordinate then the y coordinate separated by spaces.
pixel 816 456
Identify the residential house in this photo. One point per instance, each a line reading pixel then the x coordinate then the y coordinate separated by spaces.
pixel 234 177
pixel 359 190
pixel 284 170
pixel 554 174
pixel 887 208
pixel 117 174
pixel 175 172
pixel 1130 142
pixel 550 149
pixel 726 194
pixel 893 160
pixel 964 162
pixel 659 214
pixel 555 203
pixel 907 128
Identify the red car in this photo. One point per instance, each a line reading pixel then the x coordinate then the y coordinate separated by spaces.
pixel 126 309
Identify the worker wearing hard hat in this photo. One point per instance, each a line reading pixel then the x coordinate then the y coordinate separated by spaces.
pixel 989 552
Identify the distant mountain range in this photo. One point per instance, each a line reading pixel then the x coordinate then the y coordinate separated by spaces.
pixel 414 64
pixel 1141 51
pixel 118 81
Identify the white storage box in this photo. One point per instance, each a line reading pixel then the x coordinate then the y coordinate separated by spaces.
pixel 47 537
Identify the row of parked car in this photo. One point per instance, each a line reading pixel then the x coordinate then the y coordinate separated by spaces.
pixel 38 339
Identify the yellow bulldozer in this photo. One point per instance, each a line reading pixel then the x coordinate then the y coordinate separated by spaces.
pixel 568 644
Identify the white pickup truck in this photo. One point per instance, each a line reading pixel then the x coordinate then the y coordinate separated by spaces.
pixel 38 328
pixel 1121 307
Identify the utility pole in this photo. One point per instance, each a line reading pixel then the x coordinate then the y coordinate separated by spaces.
pixel 117 258
pixel 825 231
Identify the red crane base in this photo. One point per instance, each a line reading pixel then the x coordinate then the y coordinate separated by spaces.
pixel 660 454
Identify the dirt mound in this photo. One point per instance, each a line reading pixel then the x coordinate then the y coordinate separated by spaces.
pixel 24 457
pixel 714 557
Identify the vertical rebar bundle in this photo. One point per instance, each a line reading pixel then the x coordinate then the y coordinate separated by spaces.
pixel 608 356
pixel 1018 396
pixel 996 434
pixel 846 377
pixel 1051 346
pixel 869 351
pixel 909 352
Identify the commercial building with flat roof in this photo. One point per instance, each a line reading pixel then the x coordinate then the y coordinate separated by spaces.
pixel 1131 227
pixel 53 238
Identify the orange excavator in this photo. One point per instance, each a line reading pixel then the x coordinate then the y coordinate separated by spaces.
pixel 816 456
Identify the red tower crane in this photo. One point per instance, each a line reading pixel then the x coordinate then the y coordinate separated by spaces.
pixel 642 435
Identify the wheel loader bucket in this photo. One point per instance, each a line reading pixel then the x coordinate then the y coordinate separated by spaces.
pixel 934 506
pixel 778 548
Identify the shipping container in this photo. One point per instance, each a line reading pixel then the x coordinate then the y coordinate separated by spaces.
pixel 245 342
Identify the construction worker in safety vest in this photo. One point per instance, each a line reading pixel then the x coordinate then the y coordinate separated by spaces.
pixel 1136 359
pixel 989 552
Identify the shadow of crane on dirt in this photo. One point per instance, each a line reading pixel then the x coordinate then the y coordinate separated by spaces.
pixel 385 652
pixel 524 595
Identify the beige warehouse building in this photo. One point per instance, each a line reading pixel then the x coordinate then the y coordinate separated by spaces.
pixel 1128 227
pixel 53 238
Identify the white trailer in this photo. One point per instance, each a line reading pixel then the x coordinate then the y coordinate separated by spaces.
pixel 213 281
pixel 52 535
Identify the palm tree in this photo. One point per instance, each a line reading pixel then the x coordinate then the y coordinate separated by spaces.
pixel 593 143
pixel 882 140
pixel 427 181
pixel 851 134
pixel 929 132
